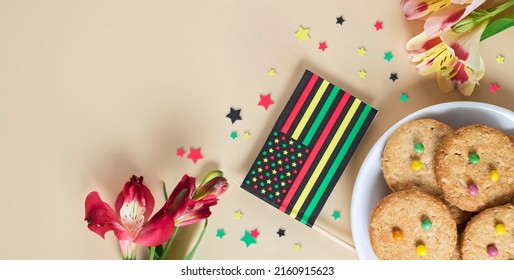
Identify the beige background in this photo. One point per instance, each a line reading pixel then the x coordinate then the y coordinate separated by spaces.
pixel 92 92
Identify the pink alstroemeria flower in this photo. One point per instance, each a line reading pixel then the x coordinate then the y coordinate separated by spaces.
pixel 199 200
pixel 451 55
pixel 131 221
pixel 442 14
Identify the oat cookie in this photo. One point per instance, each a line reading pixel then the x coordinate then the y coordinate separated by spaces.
pixel 475 168
pixel 408 156
pixel 490 235
pixel 408 159
pixel 412 225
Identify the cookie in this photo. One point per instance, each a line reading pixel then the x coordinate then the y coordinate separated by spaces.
pixel 475 168
pixel 409 155
pixel 490 235
pixel 412 225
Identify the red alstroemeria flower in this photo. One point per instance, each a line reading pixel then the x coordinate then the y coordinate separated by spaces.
pixel 131 221
pixel 441 14
pixel 199 200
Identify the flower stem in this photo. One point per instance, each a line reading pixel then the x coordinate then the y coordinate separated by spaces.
pixel 152 253
pixel 168 244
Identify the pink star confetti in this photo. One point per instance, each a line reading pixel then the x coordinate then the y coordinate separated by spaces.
pixel 180 152
pixel 265 101
pixel 323 46
pixel 494 87
pixel 195 154
pixel 378 25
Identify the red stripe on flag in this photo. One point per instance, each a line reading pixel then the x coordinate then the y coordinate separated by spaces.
pixel 317 147
pixel 299 104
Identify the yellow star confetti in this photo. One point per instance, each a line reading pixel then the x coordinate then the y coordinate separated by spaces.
pixel 362 74
pixel 246 135
pixel 272 72
pixel 238 215
pixel 361 51
pixel 500 59
pixel 297 247
pixel 302 34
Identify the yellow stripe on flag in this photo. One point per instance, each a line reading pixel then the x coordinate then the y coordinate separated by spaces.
pixel 310 110
pixel 324 159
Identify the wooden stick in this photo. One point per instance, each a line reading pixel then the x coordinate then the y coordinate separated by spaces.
pixel 334 238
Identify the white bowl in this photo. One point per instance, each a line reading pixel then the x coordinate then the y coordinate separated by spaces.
pixel 370 186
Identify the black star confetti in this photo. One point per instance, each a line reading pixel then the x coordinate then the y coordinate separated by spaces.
pixel 234 115
pixel 340 20
pixel 393 77
pixel 281 232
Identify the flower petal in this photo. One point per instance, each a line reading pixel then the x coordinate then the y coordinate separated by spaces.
pixel 414 9
pixel 216 186
pixel 135 190
pixel 181 195
pixel 443 19
pixel 466 45
pixel 99 215
pixel 158 229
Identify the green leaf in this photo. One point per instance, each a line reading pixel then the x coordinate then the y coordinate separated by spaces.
pixel 193 251
pixel 497 27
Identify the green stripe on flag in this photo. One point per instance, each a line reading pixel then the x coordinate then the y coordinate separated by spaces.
pixel 333 168
pixel 320 116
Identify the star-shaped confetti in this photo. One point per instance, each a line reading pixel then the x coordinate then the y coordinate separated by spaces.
pixel 336 215
pixel 238 215
pixel 388 56
pixel 272 72
pixel 393 77
pixel 494 87
pixel 361 51
pixel 233 135
pixel 323 46
pixel 255 233
pixel 297 247
pixel 378 25
pixel 234 115
pixel 404 97
pixel 302 34
pixel 340 20
pixel 248 239
pixel 195 154
pixel 220 233
pixel 281 232
pixel 246 135
pixel 362 74
pixel 265 101
pixel 500 59
pixel 180 152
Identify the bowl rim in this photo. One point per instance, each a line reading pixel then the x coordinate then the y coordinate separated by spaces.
pixel 441 106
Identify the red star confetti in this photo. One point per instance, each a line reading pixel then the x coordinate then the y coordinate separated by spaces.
pixel 255 233
pixel 265 101
pixel 494 87
pixel 195 154
pixel 180 152
pixel 323 46
pixel 378 25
